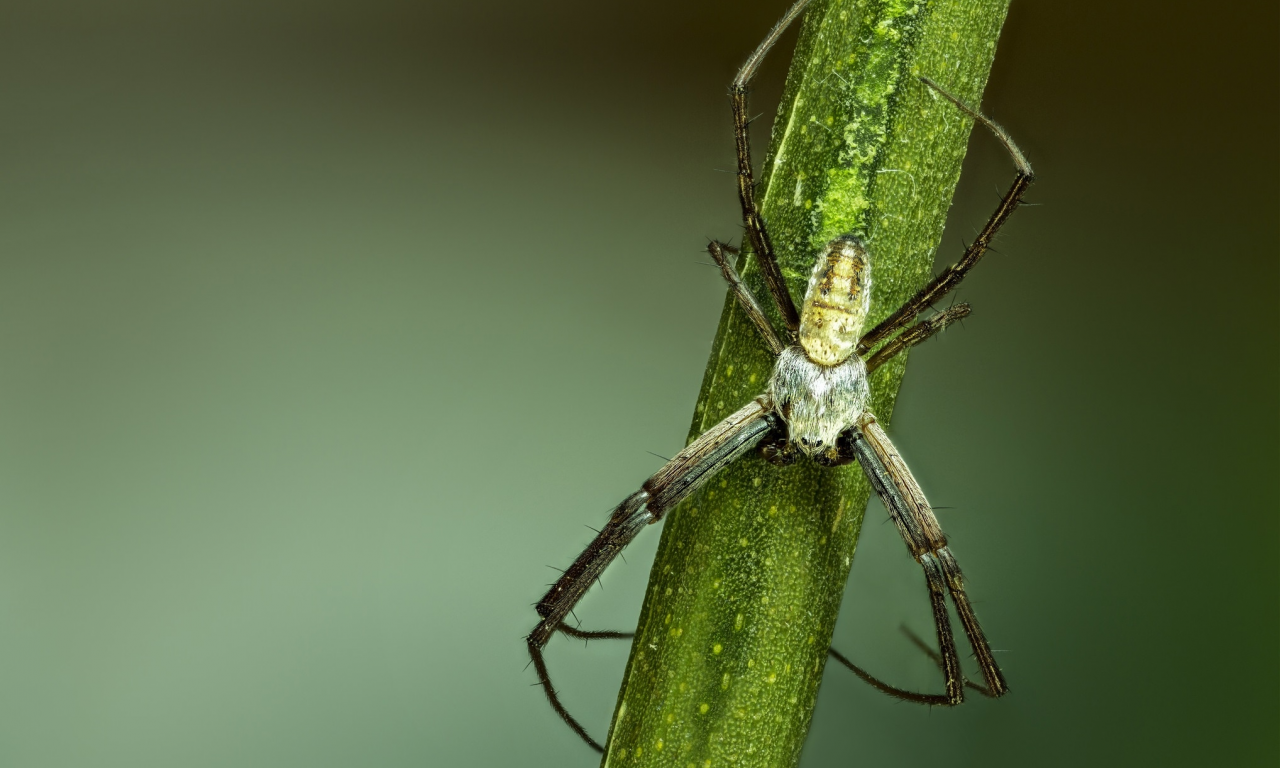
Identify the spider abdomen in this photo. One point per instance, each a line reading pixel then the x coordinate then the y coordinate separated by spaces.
pixel 837 301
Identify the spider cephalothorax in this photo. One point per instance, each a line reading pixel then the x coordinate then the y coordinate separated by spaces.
pixel 817 402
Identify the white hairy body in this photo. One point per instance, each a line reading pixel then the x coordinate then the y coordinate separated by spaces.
pixel 818 402
pixel 820 388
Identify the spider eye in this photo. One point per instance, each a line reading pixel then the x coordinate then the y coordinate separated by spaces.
pixel 818 444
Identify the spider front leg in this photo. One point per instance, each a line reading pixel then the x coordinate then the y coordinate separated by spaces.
pixel 746 299
pixel 910 511
pixel 698 462
pixel 758 236
pixel 950 277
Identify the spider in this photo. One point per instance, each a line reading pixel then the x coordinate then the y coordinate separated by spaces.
pixel 815 407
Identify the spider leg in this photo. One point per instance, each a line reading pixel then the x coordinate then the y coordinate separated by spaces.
pixel 910 510
pixel 952 275
pixel 745 298
pixel 932 699
pixel 879 468
pixel 932 654
pixel 921 331
pixel 939 699
pixel 758 236
pixel 686 472
pixel 602 634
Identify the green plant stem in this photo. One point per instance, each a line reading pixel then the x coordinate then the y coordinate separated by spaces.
pixel 744 592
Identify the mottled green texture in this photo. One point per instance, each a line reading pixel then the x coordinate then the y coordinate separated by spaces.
pixel 745 589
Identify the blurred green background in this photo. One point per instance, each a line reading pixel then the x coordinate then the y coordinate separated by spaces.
pixel 326 327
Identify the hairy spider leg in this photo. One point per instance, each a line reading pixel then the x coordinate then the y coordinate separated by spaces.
pixel 950 277
pixel 867 677
pixel 939 699
pixel 597 634
pixel 910 511
pixel 698 462
pixel 932 654
pixel 757 234
pixel 916 334
pixel 901 693
pixel 746 299
pixel 918 544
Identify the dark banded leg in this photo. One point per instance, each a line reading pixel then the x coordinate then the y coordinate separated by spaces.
pixel 746 299
pixel 901 693
pixel 932 654
pixel 757 235
pixel 909 525
pixel 921 331
pixel 627 520
pixel 697 463
pixel 951 276
pixel 924 538
pixel 939 699
pixel 599 634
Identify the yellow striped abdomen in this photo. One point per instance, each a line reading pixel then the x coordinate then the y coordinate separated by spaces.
pixel 836 304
